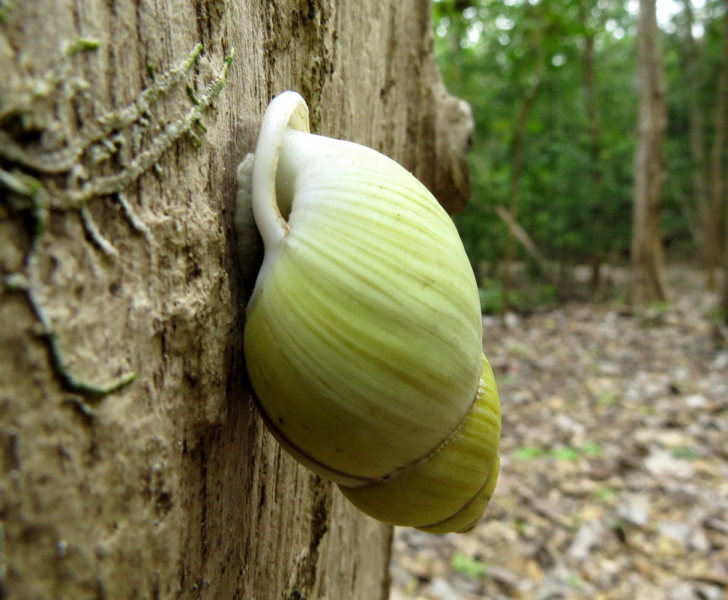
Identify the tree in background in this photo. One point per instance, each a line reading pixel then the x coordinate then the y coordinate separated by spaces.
pixel 724 296
pixel 592 110
pixel 647 254
pixel 717 165
pixel 486 51
pixel 699 96
pixel 535 45
pixel 575 175
pixel 691 66
pixel 724 299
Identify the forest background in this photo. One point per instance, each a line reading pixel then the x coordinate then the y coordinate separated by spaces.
pixel 598 172
pixel 555 102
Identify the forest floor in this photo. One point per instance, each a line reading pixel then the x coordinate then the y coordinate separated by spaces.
pixel 614 478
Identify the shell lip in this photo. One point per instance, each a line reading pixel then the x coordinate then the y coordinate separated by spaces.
pixel 287 110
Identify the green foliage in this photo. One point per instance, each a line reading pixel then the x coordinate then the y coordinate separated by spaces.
pixel 468 566
pixel 607 398
pixel 605 494
pixel 684 453
pixel 488 51
pixel 566 454
pixel 591 449
pixel 491 296
pixel 528 452
pixel 575 581
pixel 562 453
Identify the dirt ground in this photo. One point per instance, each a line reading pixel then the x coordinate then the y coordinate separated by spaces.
pixel 614 479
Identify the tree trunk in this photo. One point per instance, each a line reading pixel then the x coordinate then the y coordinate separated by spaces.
pixel 647 254
pixel 715 211
pixel 134 464
pixel 691 67
pixel 519 133
pixel 592 110
pixel 590 96
pixel 724 298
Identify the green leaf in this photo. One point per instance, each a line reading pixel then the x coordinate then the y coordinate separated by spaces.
pixel 566 454
pixel 528 452
pixel 591 449
pixel 468 566
pixel 685 453
pixel 605 494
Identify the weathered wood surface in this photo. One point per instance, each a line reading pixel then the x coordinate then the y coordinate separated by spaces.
pixel 170 486
pixel 647 254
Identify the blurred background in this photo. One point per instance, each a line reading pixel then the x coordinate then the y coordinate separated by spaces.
pixel 596 230
pixel 553 91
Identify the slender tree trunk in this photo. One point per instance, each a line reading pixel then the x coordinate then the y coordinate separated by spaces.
pixel 522 236
pixel 519 133
pixel 724 299
pixel 133 463
pixel 647 256
pixel 691 64
pixel 590 95
pixel 717 164
pixel 592 110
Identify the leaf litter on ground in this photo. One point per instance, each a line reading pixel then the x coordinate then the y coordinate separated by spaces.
pixel 614 479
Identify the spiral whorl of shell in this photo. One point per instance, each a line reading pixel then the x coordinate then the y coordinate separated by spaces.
pixel 363 333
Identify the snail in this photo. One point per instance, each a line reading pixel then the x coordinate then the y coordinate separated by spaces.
pixel 363 335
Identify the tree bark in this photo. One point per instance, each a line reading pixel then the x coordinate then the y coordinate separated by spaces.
pixel 724 296
pixel 134 464
pixel 647 256
pixel 697 144
pixel 592 110
pixel 717 164
pixel 590 96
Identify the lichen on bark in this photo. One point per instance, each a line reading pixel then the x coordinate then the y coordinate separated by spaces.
pixel 30 173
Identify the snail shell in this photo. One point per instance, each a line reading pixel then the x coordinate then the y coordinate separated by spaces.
pixel 363 339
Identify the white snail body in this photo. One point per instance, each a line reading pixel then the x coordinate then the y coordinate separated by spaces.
pixel 363 334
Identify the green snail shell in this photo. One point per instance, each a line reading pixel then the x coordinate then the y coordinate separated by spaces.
pixel 363 335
